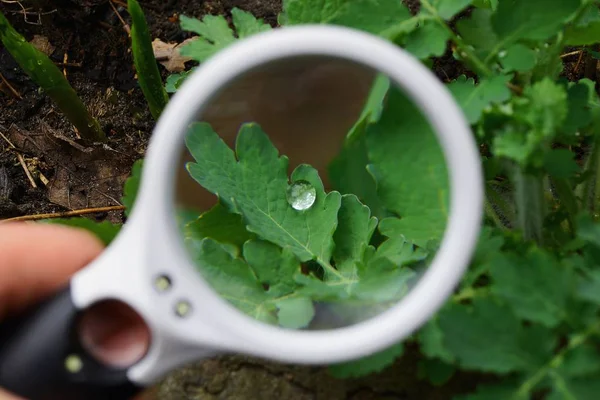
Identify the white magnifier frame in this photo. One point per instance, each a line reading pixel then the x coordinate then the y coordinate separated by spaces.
pixel 150 243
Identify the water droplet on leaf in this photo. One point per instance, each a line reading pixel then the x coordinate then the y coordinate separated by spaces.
pixel 301 195
pixel 39 62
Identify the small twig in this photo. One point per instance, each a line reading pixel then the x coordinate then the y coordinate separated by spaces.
pixel 8 141
pixel 121 3
pixel 74 213
pixel 572 53
pixel 578 62
pixel 24 165
pixel 69 64
pixel 21 161
pixel 125 25
pixel 517 89
pixel 10 87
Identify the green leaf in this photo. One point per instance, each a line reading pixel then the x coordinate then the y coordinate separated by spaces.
pixel 247 24
pixel 560 163
pixel 536 286
pixel 235 281
pixel 531 19
pixel 427 41
pixel 488 337
pixel 447 9
pixel 254 185
pixel 396 248
pixel 105 230
pixel 474 99
pixel 477 32
pixel 401 140
pixel 367 365
pixel 215 34
pixel 579 114
pixel 588 230
pixel 589 288
pixel 493 4
pixel 273 266
pixel 174 81
pixel 547 108
pixel 584 361
pixel 131 187
pixel 501 391
pixel 295 313
pixel 348 171
pixel 435 371
pixel 382 17
pixel 518 58
pixel 587 31
pixel 431 341
pixel 579 389
pixel 219 224
pixel 50 78
pixel 543 110
pixel 354 231
pixel 232 278
pixel 148 74
pixel 348 174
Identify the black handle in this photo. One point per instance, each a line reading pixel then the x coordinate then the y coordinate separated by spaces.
pixel 41 357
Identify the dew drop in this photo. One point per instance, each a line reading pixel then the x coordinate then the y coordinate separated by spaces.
pixel 39 62
pixel 301 195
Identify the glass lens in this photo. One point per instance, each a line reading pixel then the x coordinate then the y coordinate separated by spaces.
pixel 312 194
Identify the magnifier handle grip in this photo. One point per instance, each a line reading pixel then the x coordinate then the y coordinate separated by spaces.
pixel 35 347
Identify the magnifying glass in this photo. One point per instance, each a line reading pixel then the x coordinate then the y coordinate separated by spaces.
pixel 239 241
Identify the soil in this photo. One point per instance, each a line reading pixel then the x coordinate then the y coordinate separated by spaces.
pixel 71 174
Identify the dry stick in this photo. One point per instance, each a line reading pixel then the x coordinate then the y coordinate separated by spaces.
pixel 21 161
pixel 578 63
pixel 10 87
pixel 573 53
pixel 125 25
pixel 74 213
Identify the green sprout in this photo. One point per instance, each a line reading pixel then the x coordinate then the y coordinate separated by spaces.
pixel 145 63
pixel 49 77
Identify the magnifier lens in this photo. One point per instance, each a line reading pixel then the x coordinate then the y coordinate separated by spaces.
pixel 294 198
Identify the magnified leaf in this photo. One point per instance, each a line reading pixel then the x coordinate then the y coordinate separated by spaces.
pixel 262 293
pixel 255 186
pixel 401 140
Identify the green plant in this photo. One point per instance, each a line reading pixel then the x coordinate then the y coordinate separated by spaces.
pixel 214 34
pixel 527 312
pixel 148 74
pixel 49 77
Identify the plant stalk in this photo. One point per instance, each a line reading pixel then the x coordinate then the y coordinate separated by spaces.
pixel 148 74
pixel 49 77
pixel 531 207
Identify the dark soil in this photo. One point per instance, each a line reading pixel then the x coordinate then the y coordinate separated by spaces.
pixel 81 175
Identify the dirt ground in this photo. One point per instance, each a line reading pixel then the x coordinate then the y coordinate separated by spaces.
pixel 69 174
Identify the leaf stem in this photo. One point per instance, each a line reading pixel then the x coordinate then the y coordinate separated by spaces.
pixel 575 341
pixel 567 199
pixel 465 52
pixel 531 210
pixel 588 191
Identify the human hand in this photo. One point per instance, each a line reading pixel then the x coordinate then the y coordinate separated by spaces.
pixel 37 260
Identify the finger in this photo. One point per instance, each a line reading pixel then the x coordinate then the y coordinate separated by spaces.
pixel 37 260
pixel 7 396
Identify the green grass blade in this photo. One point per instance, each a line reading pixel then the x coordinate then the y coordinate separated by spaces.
pixel 49 77
pixel 145 63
